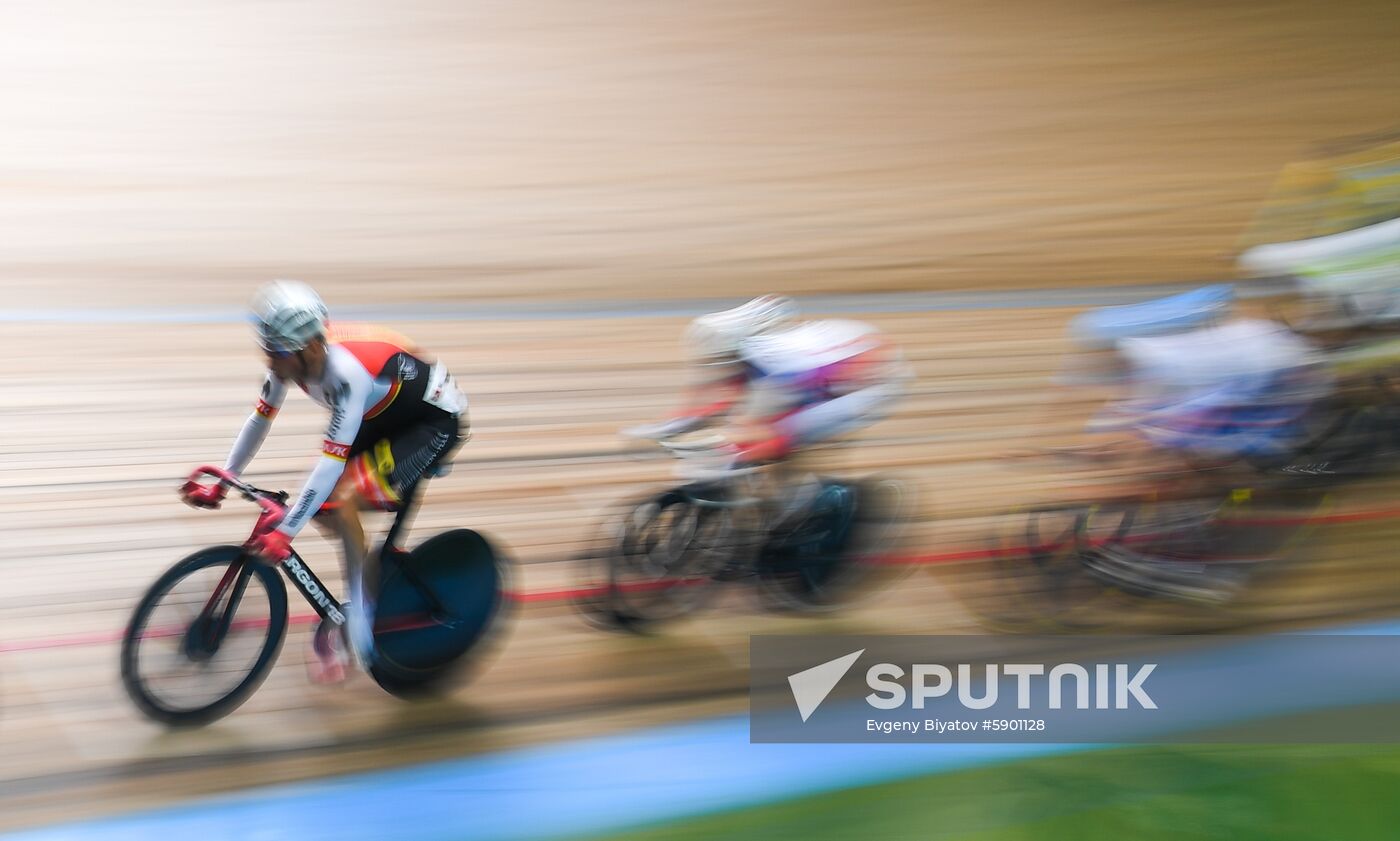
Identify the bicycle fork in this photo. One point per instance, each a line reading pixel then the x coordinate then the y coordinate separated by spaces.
pixel 207 632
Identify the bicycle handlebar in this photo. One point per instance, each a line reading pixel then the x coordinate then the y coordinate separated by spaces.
pixel 271 502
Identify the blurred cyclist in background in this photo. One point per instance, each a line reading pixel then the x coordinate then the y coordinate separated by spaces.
pixel 1195 386
pixel 1347 288
pixel 792 384
pixel 395 418
pixel 1243 389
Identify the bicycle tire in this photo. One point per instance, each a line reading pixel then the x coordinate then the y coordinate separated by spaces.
pixel 149 702
pixel 1033 580
pixel 636 587
pixel 1203 550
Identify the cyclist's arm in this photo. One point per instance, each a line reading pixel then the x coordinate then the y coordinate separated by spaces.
pixel 347 412
pixel 705 404
pixel 255 429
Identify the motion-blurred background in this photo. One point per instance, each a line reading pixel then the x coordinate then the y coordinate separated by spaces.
pixel 543 193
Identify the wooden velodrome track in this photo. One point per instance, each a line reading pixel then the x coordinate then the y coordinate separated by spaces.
pixel 442 154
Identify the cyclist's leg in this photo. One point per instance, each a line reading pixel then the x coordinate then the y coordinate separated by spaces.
pixel 405 462
pixel 387 476
pixel 384 475
pixel 331 646
pixel 363 487
pixel 794 485
pixel 350 529
pixel 831 418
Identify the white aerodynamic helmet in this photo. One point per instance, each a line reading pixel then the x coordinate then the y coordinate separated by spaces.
pixel 287 315
pixel 716 336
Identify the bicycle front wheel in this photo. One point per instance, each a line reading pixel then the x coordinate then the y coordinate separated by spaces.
pixel 661 560
pixel 1033 580
pixel 204 637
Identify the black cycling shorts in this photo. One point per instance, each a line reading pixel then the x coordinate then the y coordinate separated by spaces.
pixel 386 472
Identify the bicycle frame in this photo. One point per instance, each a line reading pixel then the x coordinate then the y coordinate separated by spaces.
pixel 303 579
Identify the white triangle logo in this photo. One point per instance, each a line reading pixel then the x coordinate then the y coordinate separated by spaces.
pixel 810 687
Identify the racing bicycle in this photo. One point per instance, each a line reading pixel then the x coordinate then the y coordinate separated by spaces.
pixel 806 543
pixel 207 632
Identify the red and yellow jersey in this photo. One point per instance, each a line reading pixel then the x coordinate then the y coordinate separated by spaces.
pixel 376 383
pixel 371 345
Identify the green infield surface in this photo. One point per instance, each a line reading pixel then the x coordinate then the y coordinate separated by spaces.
pixel 1270 793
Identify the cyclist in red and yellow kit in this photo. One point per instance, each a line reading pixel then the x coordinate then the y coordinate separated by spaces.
pixel 396 417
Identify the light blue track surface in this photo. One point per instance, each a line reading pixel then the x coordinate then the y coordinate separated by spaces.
pixel 573 788
pixel 587 786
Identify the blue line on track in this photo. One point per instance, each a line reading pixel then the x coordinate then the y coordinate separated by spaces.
pixel 892 302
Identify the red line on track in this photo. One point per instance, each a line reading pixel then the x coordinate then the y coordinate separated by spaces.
pixel 569 594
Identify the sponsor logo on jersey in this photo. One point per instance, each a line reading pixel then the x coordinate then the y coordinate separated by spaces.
pixel 335 450
pixel 265 409
pixel 337 421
